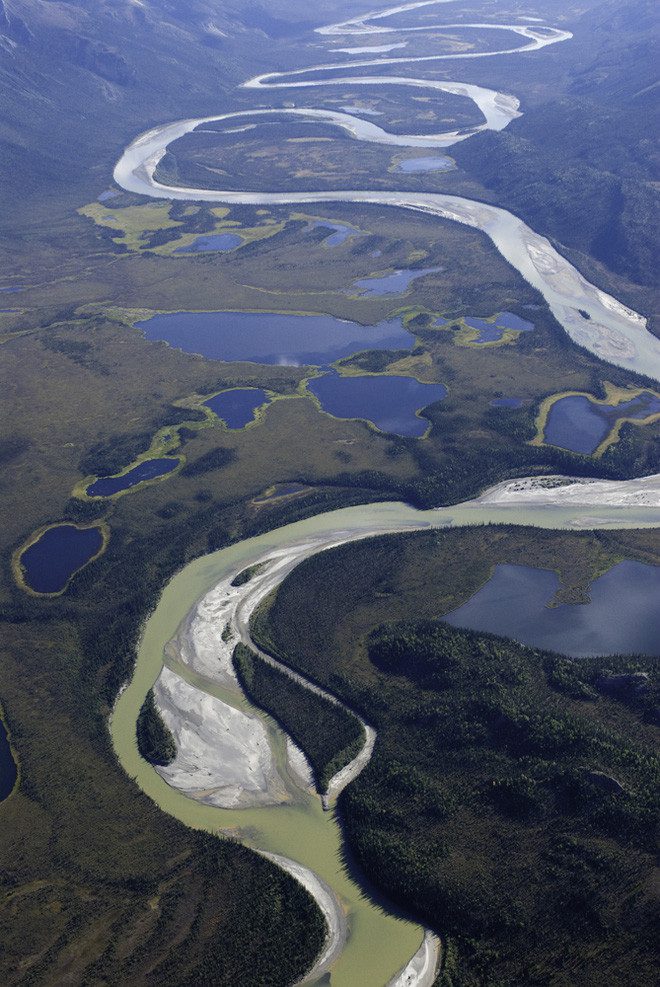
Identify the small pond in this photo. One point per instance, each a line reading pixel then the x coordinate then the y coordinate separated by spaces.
pixel 391 403
pixel 623 616
pixel 8 771
pixel 391 284
pixel 108 194
pixel 580 425
pixel 506 403
pixel 237 406
pixel 57 555
pixel 150 469
pixel 493 332
pixel 214 241
pixel 412 166
pixel 270 337
pixel 339 232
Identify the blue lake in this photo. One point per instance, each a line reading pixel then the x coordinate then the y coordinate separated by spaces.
pixel 269 337
pixel 506 403
pixel 391 284
pixel 413 166
pixel 623 616
pixel 237 406
pixel 580 425
pixel 57 555
pixel 339 232
pixel 8 770
pixel 493 332
pixel 150 469
pixel 388 402
pixel 214 241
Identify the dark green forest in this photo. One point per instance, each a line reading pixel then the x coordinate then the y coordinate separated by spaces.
pixel 512 797
pixel 329 735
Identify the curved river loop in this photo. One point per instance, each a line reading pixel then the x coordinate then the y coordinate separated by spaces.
pixel 236 772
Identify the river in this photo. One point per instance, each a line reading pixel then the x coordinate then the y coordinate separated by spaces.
pixel 379 946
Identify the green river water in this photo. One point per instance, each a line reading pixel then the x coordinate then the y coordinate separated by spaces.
pixel 379 944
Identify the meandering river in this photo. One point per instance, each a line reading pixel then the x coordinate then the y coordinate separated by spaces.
pixel 366 945
pixel 591 317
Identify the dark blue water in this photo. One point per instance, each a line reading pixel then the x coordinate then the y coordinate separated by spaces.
pixel 108 194
pixel 579 425
pixel 8 770
pixel 150 469
pixel 215 241
pixel 506 403
pixel 435 163
pixel 340 233
pixel 391 284
pixel 57 555
pixel 388 402
pixel 12 289
pixel 623 616
pixel 268 337
pixel 492 332
pixel 511 321
pixel 237 407
pixel 6 311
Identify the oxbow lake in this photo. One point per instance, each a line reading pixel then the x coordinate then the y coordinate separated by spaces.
pixel 623 616
pixel 338 232
pixel 150 469
pixel 272 337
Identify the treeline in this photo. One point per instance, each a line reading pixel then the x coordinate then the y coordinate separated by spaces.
pixel 214 459
pixel 328 734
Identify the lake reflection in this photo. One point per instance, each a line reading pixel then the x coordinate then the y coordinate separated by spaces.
pixel 622 618
pixel 270 337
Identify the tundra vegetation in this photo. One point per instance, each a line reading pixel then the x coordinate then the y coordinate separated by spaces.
pixel 96 885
